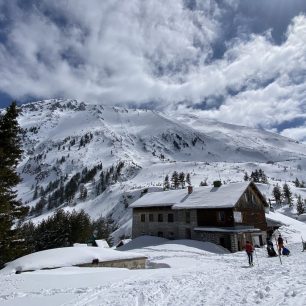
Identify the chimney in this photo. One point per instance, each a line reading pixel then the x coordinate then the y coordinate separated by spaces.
pixel 190 189
pixel 217 184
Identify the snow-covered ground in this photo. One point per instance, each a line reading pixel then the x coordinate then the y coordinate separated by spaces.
pixel 181 272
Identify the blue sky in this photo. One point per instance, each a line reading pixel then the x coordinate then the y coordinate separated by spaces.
pixel 237 61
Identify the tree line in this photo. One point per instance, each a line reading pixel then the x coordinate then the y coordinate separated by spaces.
pixel 58 192
pixel 284 195
pixel 257 176
pixel 63 229
pixel 177 180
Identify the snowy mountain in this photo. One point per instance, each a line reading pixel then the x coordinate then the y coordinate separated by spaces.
pixel 102 158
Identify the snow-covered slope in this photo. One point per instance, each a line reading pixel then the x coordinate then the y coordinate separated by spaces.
pixel 64 138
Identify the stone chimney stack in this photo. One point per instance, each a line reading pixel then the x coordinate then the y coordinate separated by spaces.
pixel 190 189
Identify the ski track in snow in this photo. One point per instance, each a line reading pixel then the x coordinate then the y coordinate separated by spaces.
pixel 200 280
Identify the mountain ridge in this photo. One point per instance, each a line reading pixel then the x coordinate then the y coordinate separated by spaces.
pixel 64 138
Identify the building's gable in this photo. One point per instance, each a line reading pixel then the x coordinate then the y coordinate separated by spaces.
pixel 251 199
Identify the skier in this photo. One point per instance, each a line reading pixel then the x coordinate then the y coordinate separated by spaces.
pixel 249 250
pixel 270 248
pixel 280 243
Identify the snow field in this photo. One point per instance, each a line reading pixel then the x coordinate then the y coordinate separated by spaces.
pixel 193 277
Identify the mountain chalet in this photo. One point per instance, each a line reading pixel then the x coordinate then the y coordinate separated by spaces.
pixel 227 215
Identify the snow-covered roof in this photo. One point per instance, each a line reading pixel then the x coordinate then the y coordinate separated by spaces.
pixel 163 198
pixel 214 197
pixel 201 197
pixel 102 243
pixel 65 257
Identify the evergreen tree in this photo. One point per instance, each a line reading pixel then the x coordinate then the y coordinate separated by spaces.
pixel 166 183
pixel 83 192
pixel 263 178
pixel 277 194
pixel 175 180
pixel 300 206
pixel 11 209
pixel 182 179
pixel 246 176
pixel 296 182
pixel 287 194
pixel 103 227
pixel 255 176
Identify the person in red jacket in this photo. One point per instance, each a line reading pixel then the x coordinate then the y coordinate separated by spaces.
pixel 249 250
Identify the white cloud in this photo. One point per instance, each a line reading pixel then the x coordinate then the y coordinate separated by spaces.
pixel 115 51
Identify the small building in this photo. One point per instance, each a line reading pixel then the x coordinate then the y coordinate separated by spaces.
pixel 101 243
pixel 227 215
pixel 81 257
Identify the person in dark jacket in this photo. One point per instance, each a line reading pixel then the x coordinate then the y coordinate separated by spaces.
pixel 270 248
pixel 249 250
pixel 280 243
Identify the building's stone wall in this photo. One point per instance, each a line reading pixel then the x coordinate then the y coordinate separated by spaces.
pixel 155 228
pixel 133 263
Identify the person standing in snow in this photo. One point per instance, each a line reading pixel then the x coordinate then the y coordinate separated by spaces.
pixel 280 243
pixel 249 250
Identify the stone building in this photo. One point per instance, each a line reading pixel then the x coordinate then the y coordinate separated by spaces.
pixel 227 215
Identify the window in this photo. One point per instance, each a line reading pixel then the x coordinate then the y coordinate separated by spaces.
pixel 151 218
pixel 160 234
pixel 170 235
pixel 160 218
pixel 143 218
pixel 187 233
pixel 170 218
pixel 221 216
pixel 187 217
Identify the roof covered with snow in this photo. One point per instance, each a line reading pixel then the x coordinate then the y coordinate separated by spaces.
pixel 225 196
pixel 163 198
pixel 66 257
pixel 102 243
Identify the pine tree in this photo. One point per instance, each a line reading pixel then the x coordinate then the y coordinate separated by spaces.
pixel 287 194
pixel 263 178
pixel 83 191
pixel 296 182
pixel 277 194
pixel 11 209
pixel 175 180
pixel 246 176
pixel 255 176
pixel 300 206
pixel 182 179
pixel 166 183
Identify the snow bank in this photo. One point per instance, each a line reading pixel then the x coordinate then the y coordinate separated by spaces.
pixel 149 241
pixel 65 257
pixel 292 230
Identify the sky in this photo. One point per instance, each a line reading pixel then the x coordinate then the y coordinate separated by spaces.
pixel 237 61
